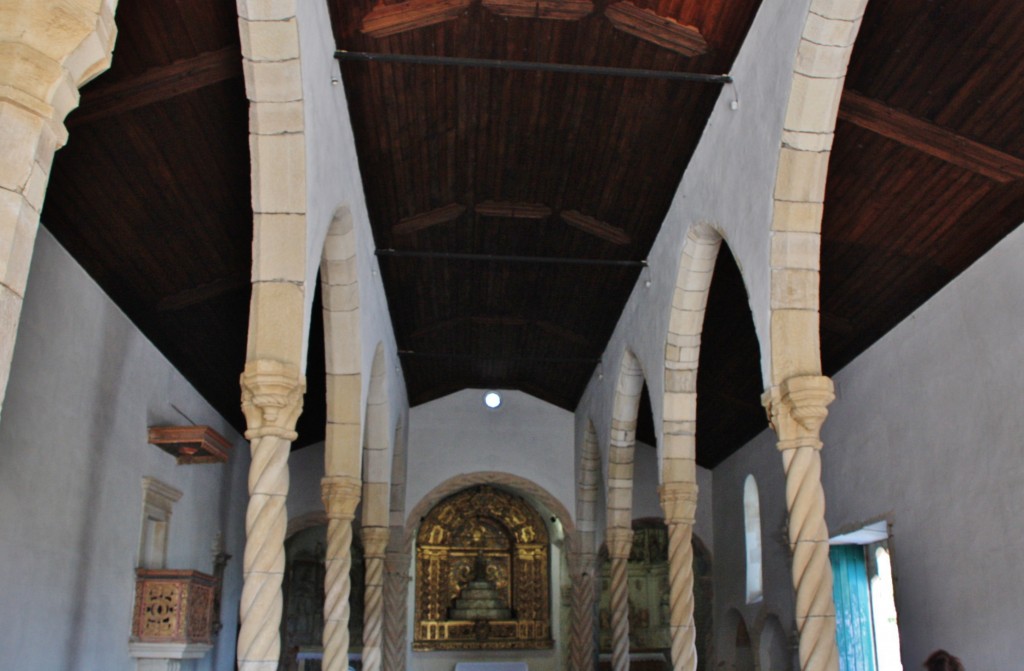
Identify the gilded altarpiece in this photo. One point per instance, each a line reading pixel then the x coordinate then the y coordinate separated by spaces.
pixel 483 535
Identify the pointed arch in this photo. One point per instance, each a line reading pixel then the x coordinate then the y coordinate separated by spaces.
pixel 531 491
pixel 623 442
pixel 376 447
pixel 817 86
pixel 340 291
pixel 682 354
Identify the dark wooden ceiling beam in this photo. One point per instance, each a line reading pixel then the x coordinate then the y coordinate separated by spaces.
pixel 664 31
pixel 596 227
pixel 384 20
pixel 201 293
pixel 510 210
pixel 435 217
pixel 562 10
pixel 552 329
pixel 876 116
pixel 157 84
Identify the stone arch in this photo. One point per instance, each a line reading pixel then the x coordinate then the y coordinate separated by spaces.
pixel 682 354
pixel 623 442
pixel 342 347
pixel 817 85
pixel 588 488
pixel 376 447
pixel 774 652
pixel 531 491
pixel 739 654
pixel 305 521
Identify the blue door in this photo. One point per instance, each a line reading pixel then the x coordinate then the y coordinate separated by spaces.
pixel 852 594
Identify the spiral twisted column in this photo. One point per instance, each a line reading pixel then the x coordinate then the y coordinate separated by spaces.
pixel 341 495
pixel 396 586
pixel 797 409
pixel 679 501
pixel 582 651
pixel 272 402
pixel 619 542
pixel 375 542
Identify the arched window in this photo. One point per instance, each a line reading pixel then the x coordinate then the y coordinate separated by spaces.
pixel 752 535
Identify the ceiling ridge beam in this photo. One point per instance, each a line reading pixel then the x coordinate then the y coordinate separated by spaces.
pixel 559 10
pixel 663 31
pixel 429 219
pixel 942 143
pixel 512 210
pixel 157 84
pixel 384 20
pixel 596 227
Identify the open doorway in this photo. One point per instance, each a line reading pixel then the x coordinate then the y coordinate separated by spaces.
pixel 866 625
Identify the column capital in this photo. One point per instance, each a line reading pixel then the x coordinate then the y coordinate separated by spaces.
pixel 341 494
pixel 679 501
pixel 798 407
pixel 375 541
pixel 619 542
pixel 272 393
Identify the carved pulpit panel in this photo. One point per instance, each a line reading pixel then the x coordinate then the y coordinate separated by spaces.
pixel 483 577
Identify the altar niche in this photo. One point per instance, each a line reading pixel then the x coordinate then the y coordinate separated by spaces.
pixel 483 579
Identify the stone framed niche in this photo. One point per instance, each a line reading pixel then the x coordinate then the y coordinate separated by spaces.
pixel 158 499
pixel 483 579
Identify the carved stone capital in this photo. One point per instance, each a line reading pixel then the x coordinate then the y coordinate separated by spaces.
pixel 341 495
pixel 619 542
pixel 798 407
pixel 375 541
pixel 272 394
pixel 679 501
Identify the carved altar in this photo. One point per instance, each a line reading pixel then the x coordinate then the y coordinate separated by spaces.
pixel 483 535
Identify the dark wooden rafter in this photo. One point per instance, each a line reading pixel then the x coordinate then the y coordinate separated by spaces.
pixel 876 116
pixel 157 84
pixel 384 20
pixel 510 210
pixel 562 10
pixel 661 30
pixel 596 227
pixel 418 222
pixel 555 330
pixel 201 293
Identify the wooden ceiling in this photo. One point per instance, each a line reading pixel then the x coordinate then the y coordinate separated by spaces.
pixel 522 164
pixel 151 195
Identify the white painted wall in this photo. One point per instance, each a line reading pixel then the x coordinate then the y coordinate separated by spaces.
pixel 458 434
pixel 926 431
pixel 728 184
pixel 85 385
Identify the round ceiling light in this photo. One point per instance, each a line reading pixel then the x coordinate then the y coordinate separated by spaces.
pixel 492 399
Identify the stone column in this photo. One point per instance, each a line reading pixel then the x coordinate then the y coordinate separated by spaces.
pixel 619 542
pixel 48 48
pixel 341 496
pixel 797 408
pixel 272 402
pixel 582 633
pixel 375 542
pixel 679 501
pixel 396 612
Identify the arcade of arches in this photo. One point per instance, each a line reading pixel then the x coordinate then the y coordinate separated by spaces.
pixel 442 533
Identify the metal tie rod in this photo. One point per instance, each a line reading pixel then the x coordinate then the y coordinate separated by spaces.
pixel 597 70
pixel 509 258
pixel 505 359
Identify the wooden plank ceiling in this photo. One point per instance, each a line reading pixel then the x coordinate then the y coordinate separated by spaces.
pixel 525 164
pixel 151 195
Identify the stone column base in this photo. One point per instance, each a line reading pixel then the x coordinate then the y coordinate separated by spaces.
pixel 166 656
